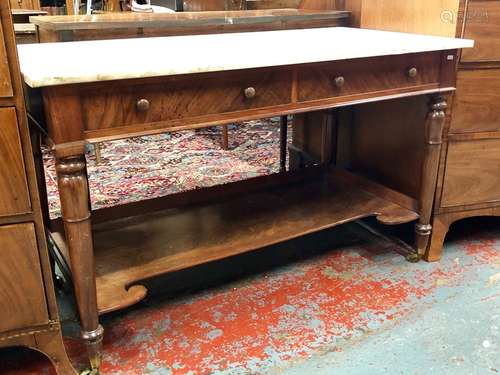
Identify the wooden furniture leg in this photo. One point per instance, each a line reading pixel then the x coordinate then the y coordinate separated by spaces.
pixel 283 142
pixel 440 226
pixel 75 209
pixel 225 137
pixel 98 154
pixel 433 139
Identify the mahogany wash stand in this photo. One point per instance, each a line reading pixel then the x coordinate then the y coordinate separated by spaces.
pixel 237 79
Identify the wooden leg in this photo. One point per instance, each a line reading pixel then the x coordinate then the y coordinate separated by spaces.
pixel 75 208
pixel 225 137
pixel 440 227
pixel 428 178
pixel 52 345
pixel 283 142
pixel 98 155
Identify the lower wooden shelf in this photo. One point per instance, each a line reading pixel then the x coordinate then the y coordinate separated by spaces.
pixel 137 248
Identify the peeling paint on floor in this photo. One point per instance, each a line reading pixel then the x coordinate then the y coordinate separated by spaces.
pixel 354 307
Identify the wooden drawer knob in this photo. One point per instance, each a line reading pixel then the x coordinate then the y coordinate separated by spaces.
pixel 412 72
pixel 250 92
pixel 339 81
pixel 142 105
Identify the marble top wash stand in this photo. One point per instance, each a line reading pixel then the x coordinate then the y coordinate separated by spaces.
pixel 101 90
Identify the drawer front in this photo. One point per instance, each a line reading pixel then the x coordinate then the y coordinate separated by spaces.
pixel 14 194
pixel 475 107
pixel 5 80
pixel 351 77
pixel 22 296
pixel 472 173
pixel 483 25
pixel 179 99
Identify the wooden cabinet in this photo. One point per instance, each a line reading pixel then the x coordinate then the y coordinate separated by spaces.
pixel 13 183
pixel 28 309
pixel 470 164
pixel 22 295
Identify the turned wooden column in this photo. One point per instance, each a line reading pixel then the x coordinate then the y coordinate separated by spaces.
pixel 428 178
pixel 75 208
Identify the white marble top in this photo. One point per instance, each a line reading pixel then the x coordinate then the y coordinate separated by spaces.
pixel 51 64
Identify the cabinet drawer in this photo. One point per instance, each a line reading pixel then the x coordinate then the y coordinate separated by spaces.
pixel 472 173
pixel 14 195
pixel 173 99
pixel 483 25
pixel 5 80
pixel 360 77
pixel 22 295
pixel 475 107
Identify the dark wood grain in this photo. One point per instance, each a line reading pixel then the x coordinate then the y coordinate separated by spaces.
pixel 13 184
pixel 176 98
pixel 475 107
pixel 22 296
pixel 317 81
pixel 472 173
pixel 133 249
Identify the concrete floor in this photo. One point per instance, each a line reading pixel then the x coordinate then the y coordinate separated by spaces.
pixel 337 302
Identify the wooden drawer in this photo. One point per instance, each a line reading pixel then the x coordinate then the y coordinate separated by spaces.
pixel 22 296
pixel 364 77
pixel 177 98
pixel 483 25
pixel 475 107
pixel 5 80
pixel 472 173
pixel 14 193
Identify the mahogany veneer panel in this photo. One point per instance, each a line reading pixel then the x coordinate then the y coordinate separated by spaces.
pixel 483 25
pixel 377 74
pixel 133 249
pixel 176 98
pixel 472 172
pixel 475 107
pixel 14 194
pixel 22 296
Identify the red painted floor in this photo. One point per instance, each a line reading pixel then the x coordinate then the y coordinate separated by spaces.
pixel 298 303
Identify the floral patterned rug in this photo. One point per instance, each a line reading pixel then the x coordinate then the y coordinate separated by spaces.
pixel 141 168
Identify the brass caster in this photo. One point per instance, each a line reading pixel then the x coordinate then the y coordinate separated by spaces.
pixel 413 258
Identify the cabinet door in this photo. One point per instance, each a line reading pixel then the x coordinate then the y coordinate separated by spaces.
pixel 14 196
pixel 5 80
pixel 22 295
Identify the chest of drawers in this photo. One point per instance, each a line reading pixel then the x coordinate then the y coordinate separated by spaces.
pixel 469 182
pixel 28 310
